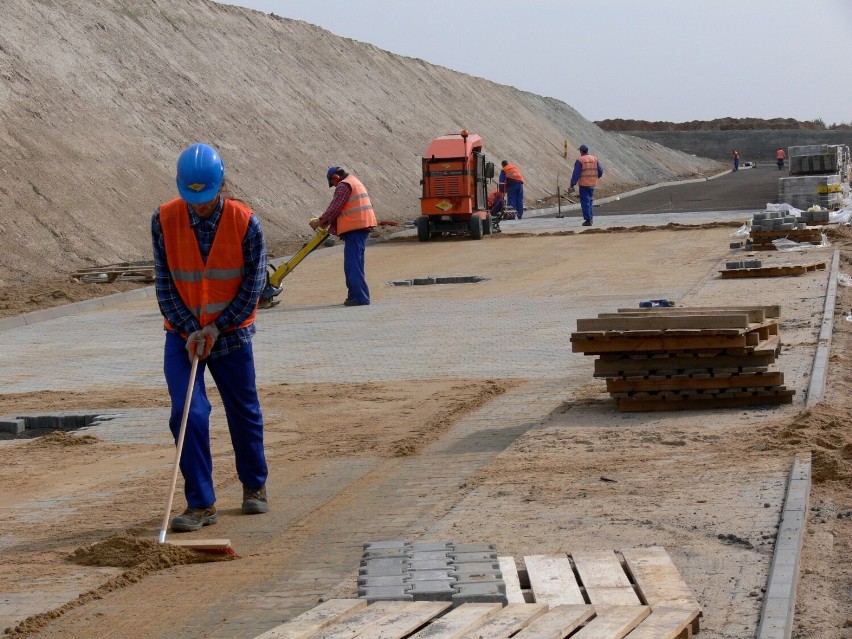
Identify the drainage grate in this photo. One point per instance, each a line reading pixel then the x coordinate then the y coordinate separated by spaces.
pixel 424 281
pixel 32 426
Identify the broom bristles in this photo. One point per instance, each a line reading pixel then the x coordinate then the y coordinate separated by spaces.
pixel 210 546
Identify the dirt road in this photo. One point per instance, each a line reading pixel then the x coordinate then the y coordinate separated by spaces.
pixel 438 413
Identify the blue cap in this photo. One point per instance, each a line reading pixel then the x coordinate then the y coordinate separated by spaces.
pixel 332 170
pixel 583 149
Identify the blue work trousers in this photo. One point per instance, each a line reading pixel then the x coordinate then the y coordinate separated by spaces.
pixel 354 247
pixel 234 376
pixel 587 201
pixel 515 197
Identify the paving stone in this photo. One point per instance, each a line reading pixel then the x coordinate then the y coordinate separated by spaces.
pixel 379 571
pixel 467 557
pixel 431 575
pixel 478 593
pixel 382 562
pixel 430 546
pixel 430 555
pixel 478 547
pixel 431 590
pixel 382 580
pixel 382 545
pixel 384 593
pixel 432 564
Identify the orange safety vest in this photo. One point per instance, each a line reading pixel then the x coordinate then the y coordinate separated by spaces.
pixel 513 173
pixel 780 154
pixel 588 171
pixel 493 196
pixel 357 213
pixel 206 289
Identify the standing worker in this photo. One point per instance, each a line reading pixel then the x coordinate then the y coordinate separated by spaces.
pixel 350 216
pixel 780 156
pixel 210 267
pixel 736 156
pixel 587 172
pixel 511 183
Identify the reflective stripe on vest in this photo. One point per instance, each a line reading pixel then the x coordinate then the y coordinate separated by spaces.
pixel 513 173
pixel 588 171
pixel 206 289
pixel 357 213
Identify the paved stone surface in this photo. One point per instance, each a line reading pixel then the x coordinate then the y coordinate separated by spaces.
pixel 112 345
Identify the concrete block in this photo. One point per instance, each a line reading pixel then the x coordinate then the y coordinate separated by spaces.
pixel 383 562
pixel 431 564
pixel 430 546
pixel 367 581
pixel 478 593
pixel 431 590
pixel 376 571
pixel 477 547
pixel 467 557
pixel 431 575
pixel 14 426
pixel 733 265
pixel 429 555
pixel 384 593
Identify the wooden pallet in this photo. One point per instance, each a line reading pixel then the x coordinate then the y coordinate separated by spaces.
pixel 114 273
pixel 772 271
pixel 636 594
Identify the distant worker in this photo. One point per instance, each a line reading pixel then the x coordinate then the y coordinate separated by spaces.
pixel 736 156
pixel 350 216
pixel 496 208
pixel 780 156
pixel 210 267
pixel 587 172
pixel 511 184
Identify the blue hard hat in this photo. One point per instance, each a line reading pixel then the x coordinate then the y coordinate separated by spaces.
pixel 200 172
pixel 332 170
pixel 583 149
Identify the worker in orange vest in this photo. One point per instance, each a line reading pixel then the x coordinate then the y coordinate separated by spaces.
pixel 736 156
pixel 350 216
pixel 587 172
pixel 511 184
pixel 210 267
pixel 780 156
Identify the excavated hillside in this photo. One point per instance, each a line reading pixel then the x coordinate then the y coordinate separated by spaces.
pixel 98 98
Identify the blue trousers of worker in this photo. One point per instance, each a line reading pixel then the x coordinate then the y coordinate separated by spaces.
pixel 515 197
pixel 234 376
pixel 354 247
pixel 736 165
pixel 587 201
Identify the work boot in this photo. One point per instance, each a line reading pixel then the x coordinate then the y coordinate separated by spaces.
pixel 587 223
pixel 195 519
pixel 254 501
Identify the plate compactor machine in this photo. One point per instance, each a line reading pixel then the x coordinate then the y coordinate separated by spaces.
pixel 274 275
pixel 455 183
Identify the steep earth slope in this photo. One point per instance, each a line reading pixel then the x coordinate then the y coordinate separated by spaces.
pixel 98 98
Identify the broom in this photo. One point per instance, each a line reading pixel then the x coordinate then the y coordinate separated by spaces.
pixel 212 546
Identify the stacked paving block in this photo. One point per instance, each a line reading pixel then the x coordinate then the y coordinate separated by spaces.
pixel 816 174
pixel 431 571
pixel 768 226
pixel 661 359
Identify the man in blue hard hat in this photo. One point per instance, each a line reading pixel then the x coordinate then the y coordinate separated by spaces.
pixel 350 216
pixel 210 268
pixel 587 172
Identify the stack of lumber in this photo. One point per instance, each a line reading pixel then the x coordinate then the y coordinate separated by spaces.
pixel 686 358
pixel 121 272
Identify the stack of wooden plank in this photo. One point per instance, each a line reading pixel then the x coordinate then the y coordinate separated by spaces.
pixel 635 594
pixel 121 272
pixel 686 358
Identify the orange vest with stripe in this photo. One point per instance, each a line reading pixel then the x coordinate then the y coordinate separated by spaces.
pixel 206 289
pixel 588 171
pixel 357 213
pixel 513 173
pixel 780 154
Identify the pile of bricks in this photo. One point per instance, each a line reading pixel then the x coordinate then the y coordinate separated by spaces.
pixel 431 571
pixel 816 174
pixel 767 226
pixel 686 358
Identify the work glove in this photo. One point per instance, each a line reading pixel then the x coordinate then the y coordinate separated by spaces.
pixel 570 189
pixel 201 342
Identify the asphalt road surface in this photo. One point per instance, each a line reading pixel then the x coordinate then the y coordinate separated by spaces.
pixel 747 189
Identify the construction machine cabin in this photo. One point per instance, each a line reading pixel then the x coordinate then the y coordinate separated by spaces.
pixel 455 176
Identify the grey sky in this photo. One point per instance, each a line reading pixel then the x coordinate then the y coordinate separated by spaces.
pixel 674 60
